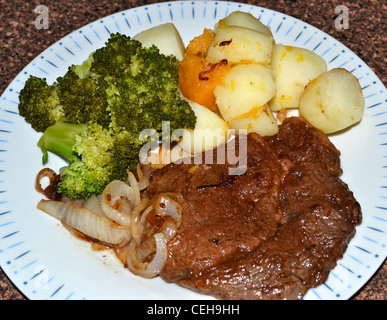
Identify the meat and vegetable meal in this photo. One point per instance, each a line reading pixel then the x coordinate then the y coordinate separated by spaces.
pixel 271 233
pixel 185 161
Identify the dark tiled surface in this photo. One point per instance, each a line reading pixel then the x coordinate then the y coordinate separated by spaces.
pixel 20 42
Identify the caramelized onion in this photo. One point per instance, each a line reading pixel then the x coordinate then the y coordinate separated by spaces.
pixel 119 213
pixel 135 189
pixel 143 175
pixel 152 268
pixel 136 226
pixel 53 179
pixel 93 204
pixel 166 206
pixel 147 247
pixel 139 251
pixel 119 217
pixel 86 221
pixel 168 229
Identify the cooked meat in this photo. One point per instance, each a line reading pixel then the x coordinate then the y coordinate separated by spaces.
pixel 270 233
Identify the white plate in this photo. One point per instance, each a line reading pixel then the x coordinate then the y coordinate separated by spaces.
pixel 45 262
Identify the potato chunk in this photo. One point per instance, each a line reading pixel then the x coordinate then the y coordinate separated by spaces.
pixel 246 20
pixel 210 131
pixel 260 120
pixel 293 69
pixel 165 37
pixel 333 101
pixel 240 45
pixel 246 86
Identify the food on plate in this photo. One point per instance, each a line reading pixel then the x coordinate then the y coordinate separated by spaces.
pixel 197 77
pixel 86 221
pixel 271 233
pixel 95 156
pixel 273 229
pixel 333 101
pixel 165 37
pixel 240 45
pixel 245 87
pixel 128 88
pixel 199 45
pixel 60 139
pixel 259 120
pixel 251 88
pixel 246 20
pixel 293 69
pixel 39 104
pixel 210 131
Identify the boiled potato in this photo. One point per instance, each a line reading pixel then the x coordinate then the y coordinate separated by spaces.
pixel 210 131
pixel 333 101
pixel 246 86
pixel 240 45
pixel 260 120
pixel 293 69
pixel 246 20
pixel 165 37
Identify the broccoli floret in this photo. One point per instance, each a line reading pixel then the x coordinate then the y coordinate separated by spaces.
pixel 88 150
pixel 83 70
pixel 70 99
pixel 104 156
pixel 95 156
pixel 111 150
pixel 82 100
pixel 39 104
pixel 80 182
pixel 144 91
pixel 81 178
pixel 115 57
pixel 125 152
pixel 94 114
pixel 59 139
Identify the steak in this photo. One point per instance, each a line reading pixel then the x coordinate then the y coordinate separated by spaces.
pixel 273 231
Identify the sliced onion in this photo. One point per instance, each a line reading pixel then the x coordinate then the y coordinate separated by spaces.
pixel 152 268
pixel 121 213
pixel 165 206
pixel 93 204
pixel 53 179
pixel 135 200
pixel 168 229
pixel 148 247
pixel 155 244
pixel 145 214
pixel 75 202
pixel 136 226
pixel 144 176
pixel 86 221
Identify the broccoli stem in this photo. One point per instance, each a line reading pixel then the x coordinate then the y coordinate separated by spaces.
pixel 60 139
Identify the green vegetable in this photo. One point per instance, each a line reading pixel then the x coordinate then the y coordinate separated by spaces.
pixel 39 104
pixel 96 156
pixel 93 115
pixel 86 173
pixel 143 85
pixel 82 100
pixel 91 171
pixel 60 139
